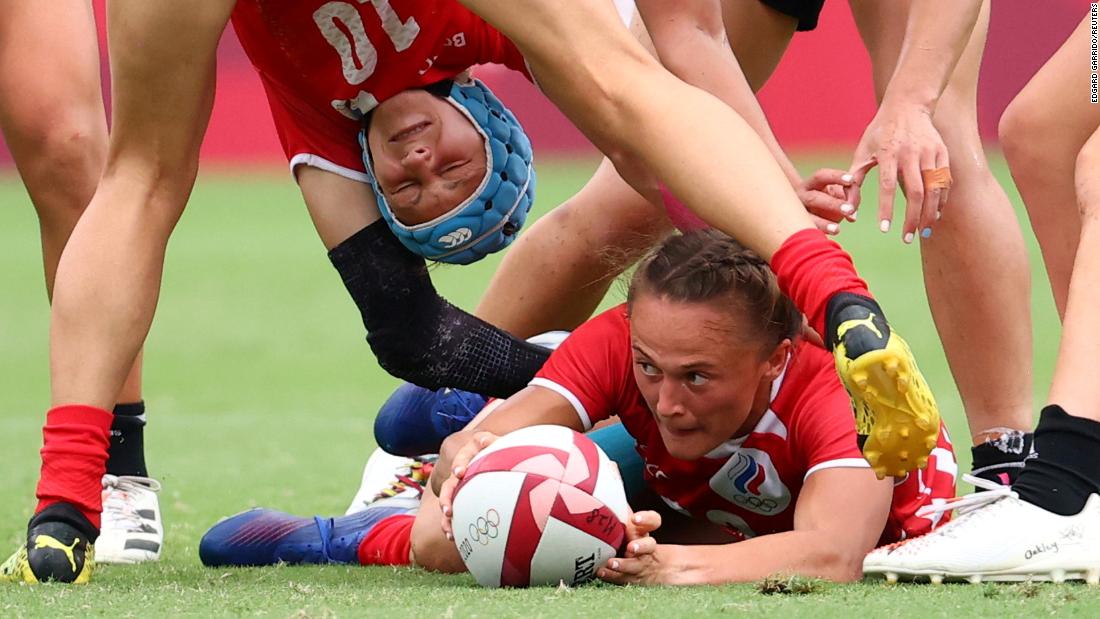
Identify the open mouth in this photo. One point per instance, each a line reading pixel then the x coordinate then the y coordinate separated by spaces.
pixel 410 131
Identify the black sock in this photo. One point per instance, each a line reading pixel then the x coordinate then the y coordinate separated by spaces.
pixel 1067 468
pixel 845 306
pixel 64 512
pixel 126 455
pixel 1001 459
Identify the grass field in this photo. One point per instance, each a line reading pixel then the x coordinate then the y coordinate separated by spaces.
pixel 261 391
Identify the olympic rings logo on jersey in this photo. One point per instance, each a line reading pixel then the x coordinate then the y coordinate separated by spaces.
pixel 485 528
pixel 756 504
pixel 750 481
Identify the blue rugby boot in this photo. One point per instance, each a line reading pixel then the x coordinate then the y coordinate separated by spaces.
pixel 267 537
pixel 415 420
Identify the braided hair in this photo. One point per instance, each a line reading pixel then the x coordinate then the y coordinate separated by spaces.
pixel 707 266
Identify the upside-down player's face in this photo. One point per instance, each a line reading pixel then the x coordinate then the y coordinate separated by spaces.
pixel 703 384
pixel 428 157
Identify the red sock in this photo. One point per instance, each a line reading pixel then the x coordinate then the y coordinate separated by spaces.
pixel 389 542
pixel 74 458
pixel 811 268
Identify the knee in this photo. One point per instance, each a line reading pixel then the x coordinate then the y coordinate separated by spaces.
pixel 1086 178
pixel 1023 131
pixel 64 157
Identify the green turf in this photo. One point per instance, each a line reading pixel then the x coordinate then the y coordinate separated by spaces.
pixel 261 391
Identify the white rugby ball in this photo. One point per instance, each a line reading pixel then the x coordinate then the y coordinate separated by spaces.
pixel 540 506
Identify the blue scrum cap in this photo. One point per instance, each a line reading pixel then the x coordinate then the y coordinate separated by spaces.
pixel 492 216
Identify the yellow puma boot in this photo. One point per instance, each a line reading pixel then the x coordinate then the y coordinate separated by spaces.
pixel 894 408
pixel 59 548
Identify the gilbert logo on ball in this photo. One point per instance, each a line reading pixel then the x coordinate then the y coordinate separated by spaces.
pixel 540 506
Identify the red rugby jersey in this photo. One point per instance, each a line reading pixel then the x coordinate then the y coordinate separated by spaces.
pixel 749 484
pixel 326 64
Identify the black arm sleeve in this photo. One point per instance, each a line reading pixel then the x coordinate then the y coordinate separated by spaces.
pixel 416 334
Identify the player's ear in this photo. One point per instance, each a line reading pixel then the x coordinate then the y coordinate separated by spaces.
pixel 777 360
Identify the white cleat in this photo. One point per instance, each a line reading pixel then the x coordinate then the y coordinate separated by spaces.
pixel 997 537
pixel 398 479
pixel 131 530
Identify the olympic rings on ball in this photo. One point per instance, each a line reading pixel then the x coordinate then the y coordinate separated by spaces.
pixel 486 527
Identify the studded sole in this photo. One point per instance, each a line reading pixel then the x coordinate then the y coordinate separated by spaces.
pixel 906 423
pixel 1091 576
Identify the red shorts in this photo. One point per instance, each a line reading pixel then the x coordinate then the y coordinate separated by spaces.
pixel 313 137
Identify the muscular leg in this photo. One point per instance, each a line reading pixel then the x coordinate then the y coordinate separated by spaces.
pixel 568 248
pixel 604 104
pixel 109 276
pixel 1042 131
pixel 1075 387
pixel 759 36
pixel 52 117
pixel 1067 471
pixel 975 263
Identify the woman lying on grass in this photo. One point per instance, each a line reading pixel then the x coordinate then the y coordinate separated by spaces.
pixel 745 433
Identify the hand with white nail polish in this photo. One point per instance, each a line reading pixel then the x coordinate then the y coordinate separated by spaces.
pixel 823 196
pixel 903 143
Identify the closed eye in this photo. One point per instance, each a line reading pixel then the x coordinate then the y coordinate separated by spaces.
pixel 454 166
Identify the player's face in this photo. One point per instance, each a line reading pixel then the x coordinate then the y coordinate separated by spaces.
pixel 428 157
pixel 703 385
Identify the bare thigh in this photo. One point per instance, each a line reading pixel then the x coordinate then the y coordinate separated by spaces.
pixel 49 77
pixel 758 36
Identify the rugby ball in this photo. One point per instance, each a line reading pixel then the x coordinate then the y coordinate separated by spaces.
pixel 543 505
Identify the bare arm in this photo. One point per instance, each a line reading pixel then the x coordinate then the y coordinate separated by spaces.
pixel 690 38
pixel 595 72
pixel 901 139
pixel 839 516
pixel 530 407
pixel 935 36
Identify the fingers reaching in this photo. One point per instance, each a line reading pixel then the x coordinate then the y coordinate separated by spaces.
pixel 858 172
pixel 887 187
pixel 459 464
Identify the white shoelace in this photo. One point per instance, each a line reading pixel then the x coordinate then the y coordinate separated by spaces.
pixel 117 506
pixel 967 503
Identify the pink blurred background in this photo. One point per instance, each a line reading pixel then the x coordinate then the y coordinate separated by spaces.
pixel 820 98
